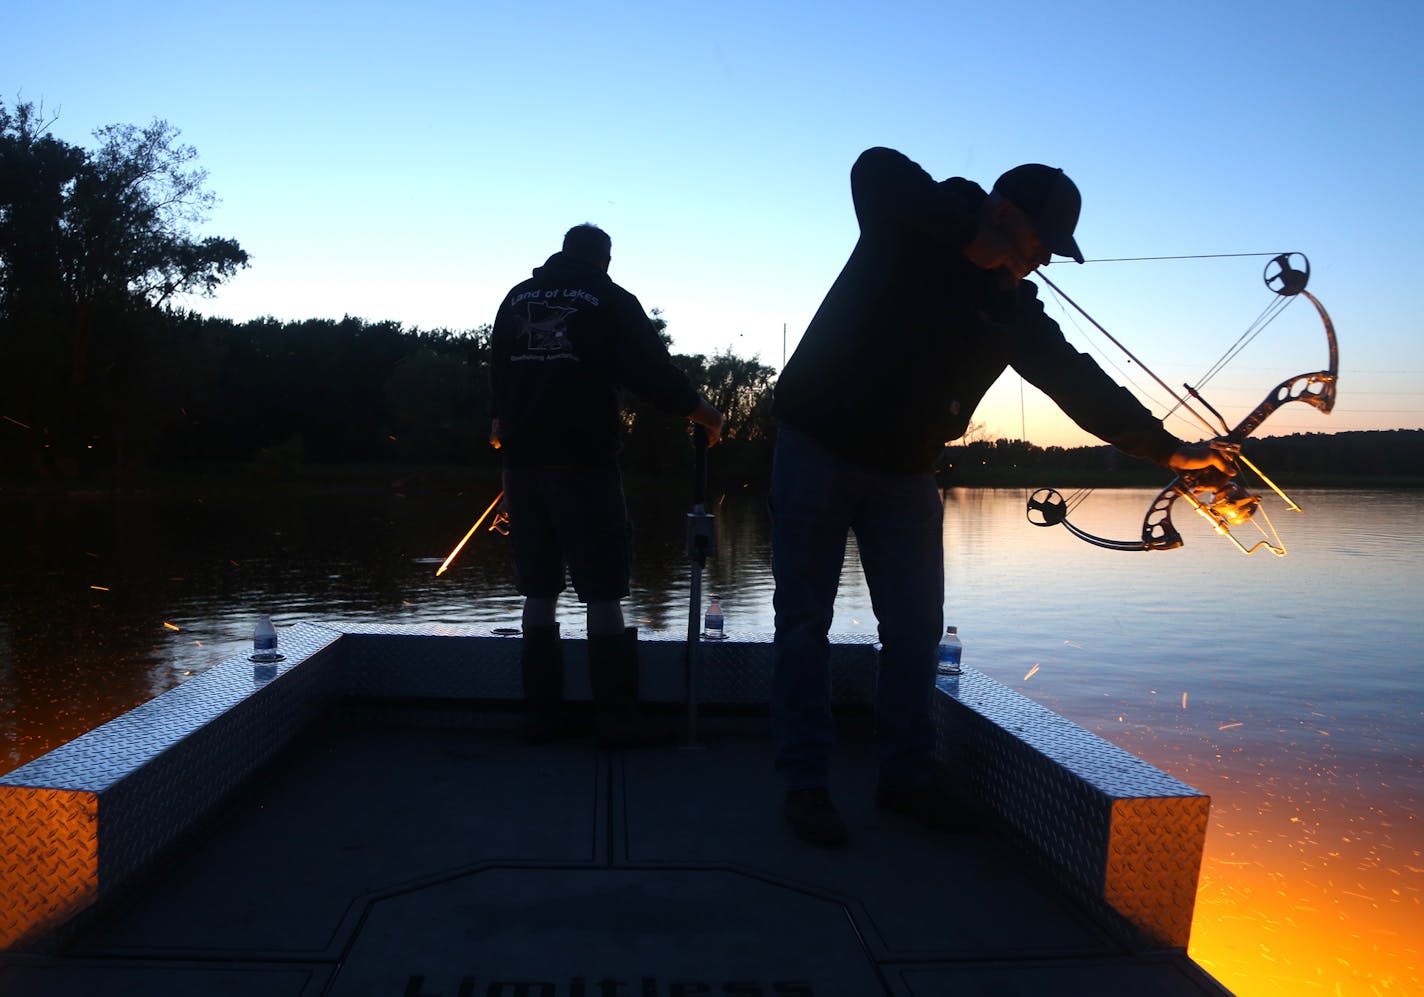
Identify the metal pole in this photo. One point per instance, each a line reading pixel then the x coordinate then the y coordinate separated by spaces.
pixel 700 543
pixel 694 655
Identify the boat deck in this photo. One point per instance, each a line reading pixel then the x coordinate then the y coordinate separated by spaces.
pixel 369 821
pixel 428 852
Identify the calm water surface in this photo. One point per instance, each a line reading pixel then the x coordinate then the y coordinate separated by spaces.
pixel 1286 688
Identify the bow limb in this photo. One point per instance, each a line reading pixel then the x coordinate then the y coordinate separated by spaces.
pixel 1158 530
pixel 1052 510
pixel 1316 388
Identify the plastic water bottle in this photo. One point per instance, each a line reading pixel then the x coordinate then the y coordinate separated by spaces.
pixel 264 650
pixel 712 622
pixel 950 651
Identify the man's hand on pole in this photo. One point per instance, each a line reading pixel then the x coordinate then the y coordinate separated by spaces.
pixel 708 417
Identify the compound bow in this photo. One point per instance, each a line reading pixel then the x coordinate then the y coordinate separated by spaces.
pixel 1217 497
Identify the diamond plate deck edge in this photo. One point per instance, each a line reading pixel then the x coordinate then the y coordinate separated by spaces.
pixel 78 822
pixel 1118 833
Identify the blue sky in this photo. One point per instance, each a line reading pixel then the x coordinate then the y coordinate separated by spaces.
pixel 412 161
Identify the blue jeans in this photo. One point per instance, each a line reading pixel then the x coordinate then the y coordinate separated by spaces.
pixel 817 499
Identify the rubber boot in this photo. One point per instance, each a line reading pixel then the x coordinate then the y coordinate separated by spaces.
pixel 613 674
pixel 541 665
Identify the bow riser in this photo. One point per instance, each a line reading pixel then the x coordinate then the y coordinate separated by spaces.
pixel 1158 533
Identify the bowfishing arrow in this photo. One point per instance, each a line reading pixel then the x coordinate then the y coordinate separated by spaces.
pixel 1214 495
pixel 499 524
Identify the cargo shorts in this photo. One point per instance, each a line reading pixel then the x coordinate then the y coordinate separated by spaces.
pixel 569 522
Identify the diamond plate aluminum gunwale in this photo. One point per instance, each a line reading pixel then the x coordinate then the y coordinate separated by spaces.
pixel 127 789
pixel 1123 836
pixel 1118 833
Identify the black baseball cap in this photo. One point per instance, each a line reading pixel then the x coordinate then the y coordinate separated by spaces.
pixel 1050 200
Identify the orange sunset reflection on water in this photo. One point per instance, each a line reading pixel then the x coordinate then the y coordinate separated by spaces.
pixel 1307 886
pixel 1286 690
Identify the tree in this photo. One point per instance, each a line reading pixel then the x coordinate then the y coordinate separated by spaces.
pixel 93 247
pixel 130 218
pixel 741 391
pixel 37 174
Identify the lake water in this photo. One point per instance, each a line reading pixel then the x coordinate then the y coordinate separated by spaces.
pixel 1286 688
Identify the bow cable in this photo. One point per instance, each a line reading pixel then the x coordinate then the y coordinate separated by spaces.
pixel 1268 315
pixel 1181 402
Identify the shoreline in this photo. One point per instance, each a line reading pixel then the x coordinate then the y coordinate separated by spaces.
pixel 236 480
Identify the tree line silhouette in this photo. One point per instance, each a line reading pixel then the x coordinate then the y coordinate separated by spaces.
pixel 104 376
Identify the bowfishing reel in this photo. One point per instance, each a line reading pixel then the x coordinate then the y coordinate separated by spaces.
pixel 1225 502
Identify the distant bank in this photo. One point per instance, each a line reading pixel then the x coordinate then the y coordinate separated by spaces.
pixel 1376 459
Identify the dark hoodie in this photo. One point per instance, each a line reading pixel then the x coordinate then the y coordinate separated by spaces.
pixel 565 345
pixel 911 335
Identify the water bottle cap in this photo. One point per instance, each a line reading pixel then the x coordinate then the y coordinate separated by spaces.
pixel 951 630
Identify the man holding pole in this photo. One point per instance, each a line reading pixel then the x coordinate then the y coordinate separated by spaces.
pixel 566 344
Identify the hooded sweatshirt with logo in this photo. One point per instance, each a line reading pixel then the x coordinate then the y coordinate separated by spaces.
pixel 566 344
